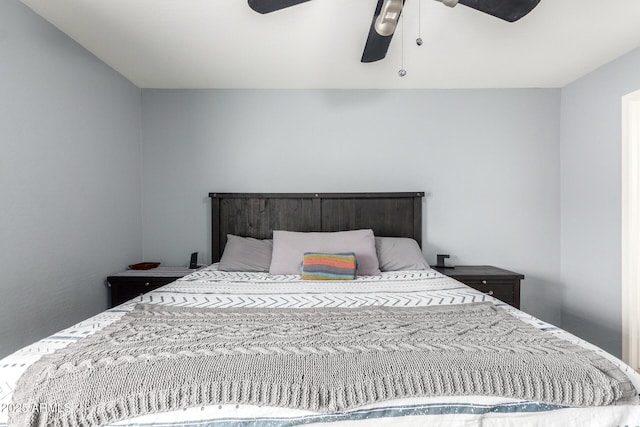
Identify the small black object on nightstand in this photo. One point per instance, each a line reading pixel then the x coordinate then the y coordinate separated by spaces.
pixel 193 263
pixel 441 257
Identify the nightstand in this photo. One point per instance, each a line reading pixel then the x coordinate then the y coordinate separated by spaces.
pixel 494 281
pixel 132 283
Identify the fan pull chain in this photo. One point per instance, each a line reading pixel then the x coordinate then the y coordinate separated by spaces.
pixel 402 71
pixel 419 39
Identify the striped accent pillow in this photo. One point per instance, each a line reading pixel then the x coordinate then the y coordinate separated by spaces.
pixel 317 266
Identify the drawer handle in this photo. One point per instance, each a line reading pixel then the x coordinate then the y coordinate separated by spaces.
pixel 146 283
pixel 484 282
pixel 489 293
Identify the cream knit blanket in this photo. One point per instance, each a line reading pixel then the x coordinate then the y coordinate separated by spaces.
pixel 160 358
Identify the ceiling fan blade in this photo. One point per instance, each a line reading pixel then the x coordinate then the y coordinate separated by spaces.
pixel 382 29
pixel 376 47
pixel 266 6
pixel 508 10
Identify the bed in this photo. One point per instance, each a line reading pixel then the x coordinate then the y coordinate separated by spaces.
pixel 387 296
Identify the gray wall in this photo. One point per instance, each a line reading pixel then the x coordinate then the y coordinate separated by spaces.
pixel 70 209
pixel 488 160
pixel 590 155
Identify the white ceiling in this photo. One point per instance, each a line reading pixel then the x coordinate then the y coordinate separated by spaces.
pixel 318 44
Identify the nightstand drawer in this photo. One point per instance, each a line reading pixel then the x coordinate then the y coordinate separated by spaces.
pixel 501 289
pixel 501 284
pixel 123 290
pixel 131 284
pixel 143 282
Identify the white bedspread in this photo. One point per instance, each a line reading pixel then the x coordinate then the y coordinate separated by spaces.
pixel 211 288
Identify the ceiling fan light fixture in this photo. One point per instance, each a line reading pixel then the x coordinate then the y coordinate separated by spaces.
pixel 388 19
pixel 450 3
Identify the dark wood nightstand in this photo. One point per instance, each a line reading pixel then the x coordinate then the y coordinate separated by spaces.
pixel 499 283
pixel 132 283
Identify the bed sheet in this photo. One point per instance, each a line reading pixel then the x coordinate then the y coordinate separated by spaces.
pixel 211 288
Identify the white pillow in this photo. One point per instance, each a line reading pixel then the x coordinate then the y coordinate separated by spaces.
pixel 246 254
pixel 289 248
pixel 400 253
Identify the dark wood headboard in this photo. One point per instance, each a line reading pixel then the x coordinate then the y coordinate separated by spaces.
pixel 258 214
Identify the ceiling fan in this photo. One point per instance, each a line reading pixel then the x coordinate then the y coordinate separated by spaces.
pixel 387 13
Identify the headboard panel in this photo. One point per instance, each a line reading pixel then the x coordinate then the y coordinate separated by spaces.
pixel 258 214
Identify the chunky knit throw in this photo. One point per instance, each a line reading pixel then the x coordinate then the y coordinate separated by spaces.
pixel 160 358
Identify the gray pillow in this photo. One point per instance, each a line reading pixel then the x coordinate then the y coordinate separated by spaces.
pixel 246 254
pixel 400 253
pixel 289 248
